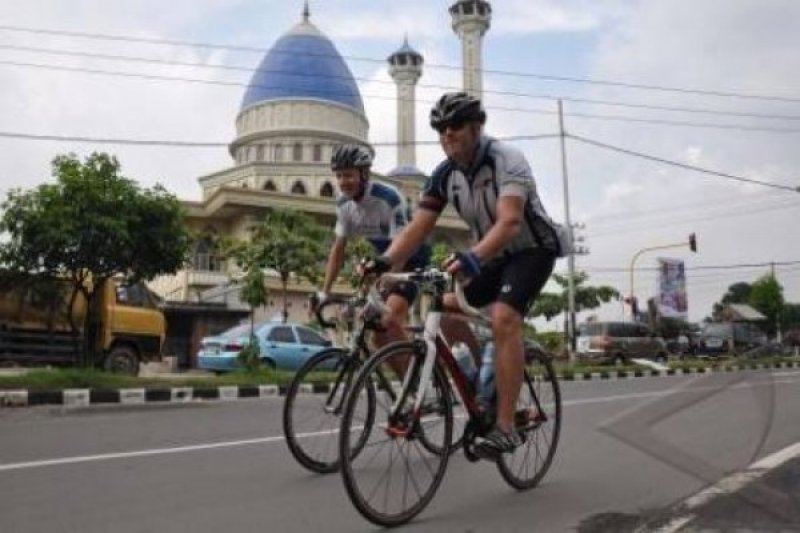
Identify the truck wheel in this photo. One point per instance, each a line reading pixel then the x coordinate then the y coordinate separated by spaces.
pixel 122 360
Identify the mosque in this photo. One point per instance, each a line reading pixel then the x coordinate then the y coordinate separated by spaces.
pixel 301 102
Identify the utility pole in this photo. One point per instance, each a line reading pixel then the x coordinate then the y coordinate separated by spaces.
pixel 568 222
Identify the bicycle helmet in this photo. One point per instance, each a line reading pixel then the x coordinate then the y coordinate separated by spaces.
pixel 456 108
pixel 350 156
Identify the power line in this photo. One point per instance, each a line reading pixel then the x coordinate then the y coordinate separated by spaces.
pixel 518 74
pixel 200 144
pixel 716 211
pixel 681 165
pixel 155 77
pixel 692 268
pixel 770 209
pixel 295 73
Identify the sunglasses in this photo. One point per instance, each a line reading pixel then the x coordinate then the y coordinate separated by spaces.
pixel 454 126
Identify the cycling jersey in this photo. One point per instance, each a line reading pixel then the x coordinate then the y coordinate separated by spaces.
pixel 499 170
pixel 378 217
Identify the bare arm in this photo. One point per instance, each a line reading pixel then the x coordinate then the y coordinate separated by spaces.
pixel 335 261
pixel 507 226
pixel 406 242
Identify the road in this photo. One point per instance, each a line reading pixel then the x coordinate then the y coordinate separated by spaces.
pixel 223 466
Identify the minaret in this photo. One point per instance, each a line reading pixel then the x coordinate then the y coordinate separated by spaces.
pixel 471 19
pixel 405 67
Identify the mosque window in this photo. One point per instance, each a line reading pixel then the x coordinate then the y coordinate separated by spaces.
pixel 298 188
pixel 269 186
pixel 326 190
pixel 260 152
pixel 469 9
pixel 297 152
pixel 277 152
pixel 317 152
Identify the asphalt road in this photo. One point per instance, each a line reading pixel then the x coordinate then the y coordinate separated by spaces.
pixel 209 467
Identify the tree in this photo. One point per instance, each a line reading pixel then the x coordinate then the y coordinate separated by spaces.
pixel 766 295
pixel 90 225
pixel 550 304
pixel 254 293
pixel 286 242
pixel 358 248
pixel 738 293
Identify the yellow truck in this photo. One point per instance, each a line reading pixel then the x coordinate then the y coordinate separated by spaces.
pixel 126 325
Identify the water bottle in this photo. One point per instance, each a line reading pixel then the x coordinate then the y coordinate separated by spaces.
pixel 486 387
pixel 463 357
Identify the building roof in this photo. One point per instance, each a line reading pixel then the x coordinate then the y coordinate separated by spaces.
pixel 303 64
pixel 405 171
pixel 743 312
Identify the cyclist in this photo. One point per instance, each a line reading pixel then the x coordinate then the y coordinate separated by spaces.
pixel 490 185
pixel 377 212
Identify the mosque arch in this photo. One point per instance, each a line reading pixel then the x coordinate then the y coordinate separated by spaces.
pixel 326 190
pixel 299 188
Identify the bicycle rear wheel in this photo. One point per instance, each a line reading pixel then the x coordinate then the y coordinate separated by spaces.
pixel 404 459
pixel 311 421
pixel 538 419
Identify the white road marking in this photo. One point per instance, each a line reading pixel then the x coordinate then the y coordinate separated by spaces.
pixel 278 438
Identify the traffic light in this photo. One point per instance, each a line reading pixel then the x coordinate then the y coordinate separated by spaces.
pixel 634 303
pixel 693 242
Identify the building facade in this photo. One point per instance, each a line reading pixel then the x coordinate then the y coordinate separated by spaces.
pixel 301 102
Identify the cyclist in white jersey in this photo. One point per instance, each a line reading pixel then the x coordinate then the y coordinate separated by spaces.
pixel 377 212
pixel 515 244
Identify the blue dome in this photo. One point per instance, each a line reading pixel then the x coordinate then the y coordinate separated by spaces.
pixel 303 64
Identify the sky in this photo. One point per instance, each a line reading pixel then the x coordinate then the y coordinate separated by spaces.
pixel 534 53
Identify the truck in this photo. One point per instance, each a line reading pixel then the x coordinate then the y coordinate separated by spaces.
pixel 126 325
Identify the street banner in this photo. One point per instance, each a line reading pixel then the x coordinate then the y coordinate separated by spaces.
pixel 672 301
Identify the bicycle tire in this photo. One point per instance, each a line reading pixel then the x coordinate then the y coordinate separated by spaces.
pixel 541 438
pixel 401 436
pixel 324 458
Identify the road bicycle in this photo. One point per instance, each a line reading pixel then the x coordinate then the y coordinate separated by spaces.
pixel 315 397
pixel 402 456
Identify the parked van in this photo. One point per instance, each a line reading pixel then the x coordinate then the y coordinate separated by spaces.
pixel 618 342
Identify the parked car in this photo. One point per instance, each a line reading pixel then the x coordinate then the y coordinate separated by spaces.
pixel 282 346
pixel 618 342
pixel 730 338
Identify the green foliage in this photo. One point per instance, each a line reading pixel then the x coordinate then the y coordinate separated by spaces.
pixel 766 295
pixel 250 356
pixel 552 341
pixel 287 242
pixel 587 297
pixel 439 252
pixel 738 293
pixel 92 223
pixel 358 248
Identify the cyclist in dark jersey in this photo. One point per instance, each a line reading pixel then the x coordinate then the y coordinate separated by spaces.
pixel 377 212
pixel 515 244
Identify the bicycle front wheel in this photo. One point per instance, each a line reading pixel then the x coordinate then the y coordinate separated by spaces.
pixel 538 420
pixel 311 421
pixel 404 459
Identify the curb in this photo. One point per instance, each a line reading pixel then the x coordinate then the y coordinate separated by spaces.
pixel 163 395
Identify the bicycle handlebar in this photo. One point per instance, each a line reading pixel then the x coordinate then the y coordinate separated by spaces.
pixel 425 277
pixel 335 300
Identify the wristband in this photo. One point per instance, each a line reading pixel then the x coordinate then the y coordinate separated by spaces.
pixel 470 264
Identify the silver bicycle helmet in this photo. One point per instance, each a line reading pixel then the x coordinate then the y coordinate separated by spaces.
pixel 350 156
pixel 456 108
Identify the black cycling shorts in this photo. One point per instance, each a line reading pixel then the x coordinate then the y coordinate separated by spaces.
pixel 515 279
